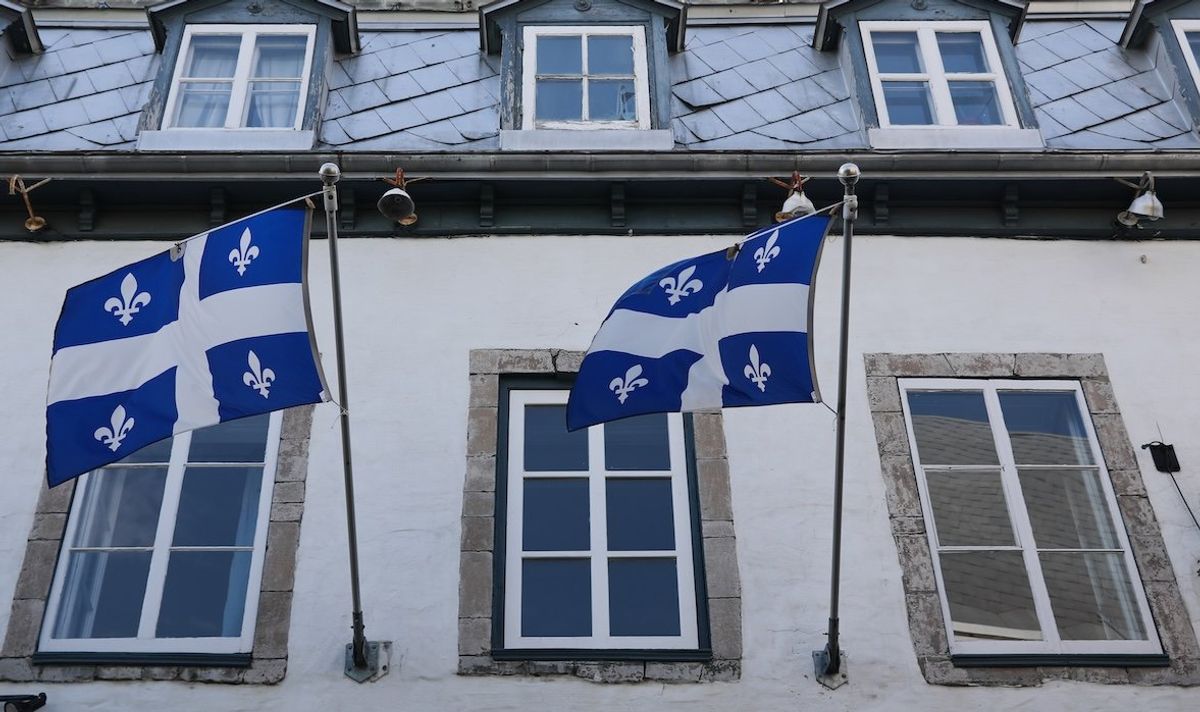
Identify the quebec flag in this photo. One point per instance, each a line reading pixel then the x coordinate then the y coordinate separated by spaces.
pixel 720 330
pixel 217 329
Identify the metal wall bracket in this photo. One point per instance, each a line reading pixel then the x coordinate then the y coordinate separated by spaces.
pixel 87 210
pixel 1012 212
pixel 487 205
pixel 348 215
pixel 882 208
pixel 749 204
pixel 379 661
pixel 216 207
pixel 821 665
pixel 616 200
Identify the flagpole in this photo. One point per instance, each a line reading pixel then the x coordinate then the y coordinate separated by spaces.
pixel 829 664
pixel 362 657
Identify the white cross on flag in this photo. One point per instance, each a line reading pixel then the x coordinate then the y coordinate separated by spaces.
pixel 177 342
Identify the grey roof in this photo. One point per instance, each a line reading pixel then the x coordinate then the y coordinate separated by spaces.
pixel 1088 93
pixel 84 92
pixel 734 87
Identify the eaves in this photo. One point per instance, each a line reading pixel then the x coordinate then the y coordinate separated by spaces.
pixel 958 164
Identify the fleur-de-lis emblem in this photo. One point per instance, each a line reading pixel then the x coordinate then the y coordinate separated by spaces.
pixel 244 254
pixel 258 378
pixel 129 303
pixel 681 286
pixel 757 372
pixel 120 427
pixel 624 386
pixel 767 252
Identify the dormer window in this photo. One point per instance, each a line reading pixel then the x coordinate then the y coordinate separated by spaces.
pixel 586 77
pixel 937 74
pixel 241 76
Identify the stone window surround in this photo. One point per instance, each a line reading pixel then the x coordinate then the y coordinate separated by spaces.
pixel 268 659
pixel 922 600
pixel 475 606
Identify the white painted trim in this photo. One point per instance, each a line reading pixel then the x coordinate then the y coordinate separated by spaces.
pixel 594 140
pixel 934 73
pixel 226 140
pixel 529 76
pixel 146 642
pixel 1182 27
pixel 240 83
pixel 936 137
pixel 1051 642
pixel 598 553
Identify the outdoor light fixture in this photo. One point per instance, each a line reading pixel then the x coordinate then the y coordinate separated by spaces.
pixel 22 703
pixel 797 203
pixel 396 204
pixel 1145 205
pixel 16 186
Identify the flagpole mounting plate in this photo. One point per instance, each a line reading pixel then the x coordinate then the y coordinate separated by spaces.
pixel 379 661
pixel 821 663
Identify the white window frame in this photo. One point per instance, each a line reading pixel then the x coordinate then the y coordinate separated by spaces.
pixel 235 115
pixel 641 75
pixel 1182 27
pixel 935 73
pixel 598 553
pixel 1022 529
pixel 146 642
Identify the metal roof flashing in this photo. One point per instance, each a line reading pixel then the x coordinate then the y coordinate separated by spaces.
pixel 489 32
pixel 343 16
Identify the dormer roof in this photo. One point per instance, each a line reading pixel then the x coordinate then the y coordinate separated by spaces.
pixel 343 15
pixel 826 33
pixel 16 22
pixel 489 31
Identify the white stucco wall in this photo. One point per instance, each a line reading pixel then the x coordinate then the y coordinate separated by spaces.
pixel 416 307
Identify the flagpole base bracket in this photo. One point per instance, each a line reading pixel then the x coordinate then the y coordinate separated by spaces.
pixel 379 661
pixel 821 667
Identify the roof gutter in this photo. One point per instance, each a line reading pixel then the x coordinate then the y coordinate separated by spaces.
pixel 967 165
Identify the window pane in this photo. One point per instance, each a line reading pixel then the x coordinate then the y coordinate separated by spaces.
pixel 1193 39
pixel 121 507
pixel 640 514
pixel 102 594
pixel 952 428
pixel 897 52
pixel 637 443
pixel 241 440
pixel 204 595
pixel 1091 597
pixel 1045 428
pixel 272 105
pixel 559 99
pixel 975 103
pixel 1067 509
pixel 969 509
pixel 908 103
pixel 559 55
pixel 213 56
pixel 962 52
pixel 610 54
pixel 548 445
pixel 280 56
pixel 556 515
pixel 202 104
pixel 612 100
pixel 556 597
pixel 218 506
pixel 159 452
pixel 643 597
pixel 989 596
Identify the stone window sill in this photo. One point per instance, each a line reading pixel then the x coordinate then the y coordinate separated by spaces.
pixel 587 140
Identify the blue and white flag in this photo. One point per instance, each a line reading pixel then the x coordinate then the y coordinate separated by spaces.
pixel 214 330
pixel 718 330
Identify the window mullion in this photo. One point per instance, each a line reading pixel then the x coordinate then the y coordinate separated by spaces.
pixel 157 575
pixel 1019 517
pixel 938 86
pixel 235 118
pixel 583 48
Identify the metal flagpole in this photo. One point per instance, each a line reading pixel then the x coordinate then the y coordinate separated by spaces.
pixel 362 657
pixel 830 664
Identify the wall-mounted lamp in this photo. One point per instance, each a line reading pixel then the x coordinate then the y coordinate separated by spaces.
pixel 22 703
pixel 797 203
pixel 396 204
pixel 1145 205
pixel 1163 455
